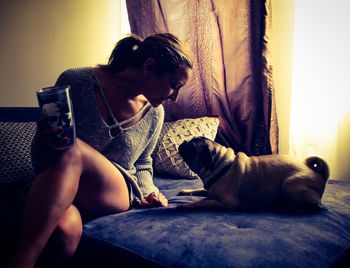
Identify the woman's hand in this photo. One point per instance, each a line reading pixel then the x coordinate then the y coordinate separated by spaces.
pixel 47 139
pixel 154 199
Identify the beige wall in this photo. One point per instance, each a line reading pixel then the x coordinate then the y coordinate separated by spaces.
pixel 282 48
pixel 40 39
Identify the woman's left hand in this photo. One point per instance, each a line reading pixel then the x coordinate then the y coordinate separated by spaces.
pixel 154 199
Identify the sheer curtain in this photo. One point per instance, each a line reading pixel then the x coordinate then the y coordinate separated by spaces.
pixel 320 113
pixel 232 77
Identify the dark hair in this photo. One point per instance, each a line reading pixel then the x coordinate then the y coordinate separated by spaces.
pixel 166 49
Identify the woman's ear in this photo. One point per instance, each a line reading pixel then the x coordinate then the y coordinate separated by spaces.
pixel 149 67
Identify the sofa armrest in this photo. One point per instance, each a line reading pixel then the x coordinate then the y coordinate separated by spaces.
pixel 19 114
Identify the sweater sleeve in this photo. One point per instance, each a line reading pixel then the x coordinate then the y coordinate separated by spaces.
pixel 144 168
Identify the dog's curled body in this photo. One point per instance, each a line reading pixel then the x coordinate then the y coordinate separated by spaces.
pixel 234 182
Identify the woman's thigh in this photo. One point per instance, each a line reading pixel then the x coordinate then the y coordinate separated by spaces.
pixel 102 188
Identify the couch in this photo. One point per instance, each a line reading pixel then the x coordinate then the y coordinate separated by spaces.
pixel 165 237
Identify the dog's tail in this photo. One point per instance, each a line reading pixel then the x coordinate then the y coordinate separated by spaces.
pixel 318 165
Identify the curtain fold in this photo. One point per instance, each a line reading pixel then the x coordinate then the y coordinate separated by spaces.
pixel 232 75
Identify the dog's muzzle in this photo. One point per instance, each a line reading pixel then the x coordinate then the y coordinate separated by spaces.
pixel 186 151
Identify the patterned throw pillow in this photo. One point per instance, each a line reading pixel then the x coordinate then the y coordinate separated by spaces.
pixel 15 156
pixel 166 157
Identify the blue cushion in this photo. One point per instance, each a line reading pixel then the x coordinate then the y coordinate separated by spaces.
pixel 229 239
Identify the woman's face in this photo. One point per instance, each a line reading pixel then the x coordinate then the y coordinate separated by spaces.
pixel 158 89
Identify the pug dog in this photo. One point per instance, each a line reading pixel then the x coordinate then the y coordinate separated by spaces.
pixel 238 182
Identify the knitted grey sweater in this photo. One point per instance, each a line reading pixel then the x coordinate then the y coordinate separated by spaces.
pixel 130 150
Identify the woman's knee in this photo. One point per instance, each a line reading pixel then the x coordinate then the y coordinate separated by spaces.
pixel 73 153
pixel 71 156
pixel 68 231
pixel 77 154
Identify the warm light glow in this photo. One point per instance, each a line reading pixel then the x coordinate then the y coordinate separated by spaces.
pixel 117 24
pixel 125 26
pixel 320 110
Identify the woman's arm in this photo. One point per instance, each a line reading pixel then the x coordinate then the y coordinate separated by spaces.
pixel 144 169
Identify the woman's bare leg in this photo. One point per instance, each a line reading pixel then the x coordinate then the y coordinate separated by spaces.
pixel 51 193
pixel 54 191
pixel 64 241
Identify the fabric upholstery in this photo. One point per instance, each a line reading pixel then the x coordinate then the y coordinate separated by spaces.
pixel 166 237
pixel 15 155
pixel 229 239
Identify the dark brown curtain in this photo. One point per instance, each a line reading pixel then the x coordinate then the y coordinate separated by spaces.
pixel 232 77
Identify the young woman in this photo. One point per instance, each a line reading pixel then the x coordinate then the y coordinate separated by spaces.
pixel 118 116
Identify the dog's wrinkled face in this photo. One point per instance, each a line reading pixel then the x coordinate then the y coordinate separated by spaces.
pixel 197 153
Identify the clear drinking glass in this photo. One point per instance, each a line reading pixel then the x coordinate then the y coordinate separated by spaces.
pixel 56 105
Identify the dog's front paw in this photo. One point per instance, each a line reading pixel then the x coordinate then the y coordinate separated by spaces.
pixel 196 192
pixel 185 192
